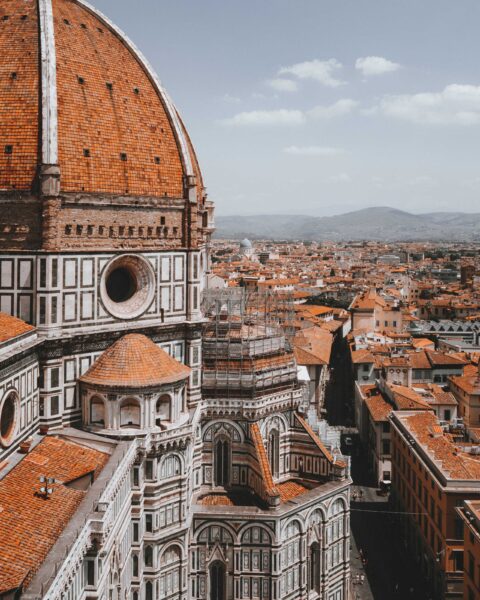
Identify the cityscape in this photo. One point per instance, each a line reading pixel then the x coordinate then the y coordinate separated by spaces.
pixel 232 399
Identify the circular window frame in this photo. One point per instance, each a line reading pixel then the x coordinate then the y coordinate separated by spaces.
pixel 141 300
pixel 7 441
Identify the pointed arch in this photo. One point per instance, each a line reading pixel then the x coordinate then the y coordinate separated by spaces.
pixel 314 556
pixel 217 575
pixel 222 457
pixel 273 445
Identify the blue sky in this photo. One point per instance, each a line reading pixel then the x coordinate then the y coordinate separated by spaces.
pixel 321 107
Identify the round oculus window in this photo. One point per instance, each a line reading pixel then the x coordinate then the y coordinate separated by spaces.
pixel 128 286
pixel 9 409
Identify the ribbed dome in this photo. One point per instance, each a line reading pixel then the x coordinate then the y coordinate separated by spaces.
pixel 71 80
pixel 134 361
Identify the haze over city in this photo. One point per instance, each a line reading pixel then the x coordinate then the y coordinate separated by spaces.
pixel 319 107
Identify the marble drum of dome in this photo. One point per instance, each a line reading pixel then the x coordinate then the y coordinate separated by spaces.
pixel 127 286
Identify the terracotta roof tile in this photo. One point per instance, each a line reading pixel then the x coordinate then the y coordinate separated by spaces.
pixel 290 490
pixel 29 524
pixel 11 327
pixel 458 464
pixel 378 408
pixel 134 361
pixel 263 462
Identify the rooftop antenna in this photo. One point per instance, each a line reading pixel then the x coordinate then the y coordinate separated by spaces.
pixel 47 488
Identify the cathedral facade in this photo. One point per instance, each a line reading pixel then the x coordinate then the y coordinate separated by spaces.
pixel 154 442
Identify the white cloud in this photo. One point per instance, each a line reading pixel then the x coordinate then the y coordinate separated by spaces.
pixel 318 70
pixel 266 117
pixel 283 85
pixel 456 104
pixel 422 181
pixel 340 108
pixel 375 65
pixel 230 99
pixel 258 96
pixel 339 178
pixel 313 150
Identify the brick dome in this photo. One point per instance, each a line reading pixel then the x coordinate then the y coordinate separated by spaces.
pixel 135 362
pixel 115 128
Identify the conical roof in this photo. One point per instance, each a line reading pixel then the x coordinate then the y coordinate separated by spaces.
pixel 134 361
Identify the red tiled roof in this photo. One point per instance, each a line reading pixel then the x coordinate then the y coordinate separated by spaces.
pixel 11 327
pixel 134 361
pixel 29 524
pixel 378 408
pixel 458 464
pixel 290 490
pixel 263 462
pixel 407 399
pixel 313 346
pixel 217 500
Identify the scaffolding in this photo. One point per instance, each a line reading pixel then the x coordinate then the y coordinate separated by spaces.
pixel 246 345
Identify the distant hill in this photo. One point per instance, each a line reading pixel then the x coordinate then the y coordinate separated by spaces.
pixel 379 223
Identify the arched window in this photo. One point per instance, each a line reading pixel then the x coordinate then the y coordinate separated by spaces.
pixel 171 576
pixel 274 452
pixel 217 581
pixel 97 411
pixel 171 467
pixel 130 414
pixel 314 583
pixel 148 556
pixel 163 409
pixel 222 462
pixel 149 591
pixel 135 565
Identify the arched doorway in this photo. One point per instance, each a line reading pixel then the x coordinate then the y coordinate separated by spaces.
pixel 222 462
pixel 217 581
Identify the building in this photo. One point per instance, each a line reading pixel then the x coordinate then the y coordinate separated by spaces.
pixel 148 456
pixel 466 389
pixel 432 475
pixel 246 248
pixel 470 514
pixel 372 313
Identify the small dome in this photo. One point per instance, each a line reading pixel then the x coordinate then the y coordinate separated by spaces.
pixel 245 243
pixel 134 361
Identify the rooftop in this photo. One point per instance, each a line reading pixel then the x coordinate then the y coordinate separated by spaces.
pixel 134 361
pixel 30 523
pixel 454 462
pixel 11 328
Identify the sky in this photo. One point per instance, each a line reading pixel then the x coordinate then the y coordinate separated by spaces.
pixel 321 107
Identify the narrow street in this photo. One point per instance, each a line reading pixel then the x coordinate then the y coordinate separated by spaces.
pixel 380 566
pixel 390 573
